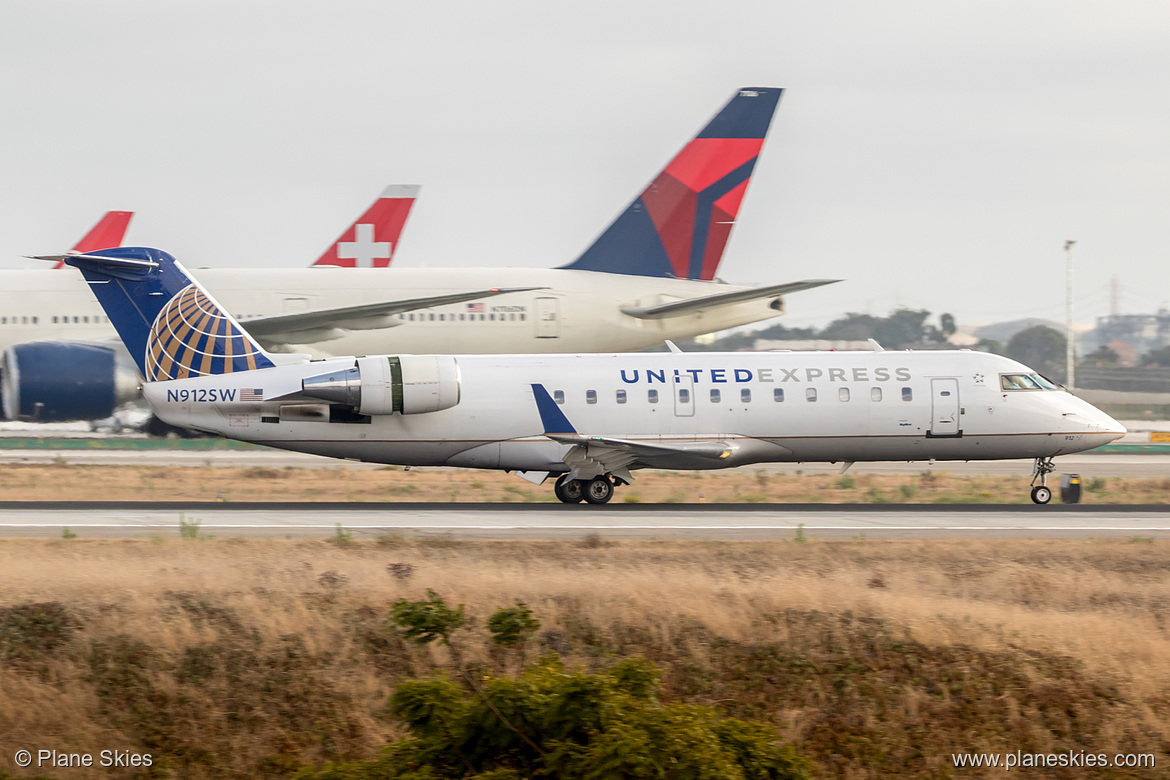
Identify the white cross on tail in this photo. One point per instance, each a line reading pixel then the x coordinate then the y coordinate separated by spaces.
pixel 363 249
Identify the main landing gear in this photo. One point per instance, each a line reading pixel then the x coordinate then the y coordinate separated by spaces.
pixel 598 490
pixel 1042 494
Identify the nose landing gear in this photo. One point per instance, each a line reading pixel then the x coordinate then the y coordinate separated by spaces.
pixel 1042 494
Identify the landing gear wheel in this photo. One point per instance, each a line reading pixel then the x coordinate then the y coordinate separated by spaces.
pixel 569 491
pixel 599 491
pixel 1041 494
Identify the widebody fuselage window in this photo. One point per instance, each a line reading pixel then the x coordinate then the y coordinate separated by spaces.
pixel 652 396
pixel 745 395
pixel 621 396
pixel 590 396
pixel 715 395
pixel 559 396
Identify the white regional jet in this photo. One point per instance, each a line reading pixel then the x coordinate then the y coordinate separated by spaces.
pixel 648 277
pixel 592 419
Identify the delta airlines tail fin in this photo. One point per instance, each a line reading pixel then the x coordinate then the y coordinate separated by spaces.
pixel 679 225
pixel 109 231
pixel 171 326
pixel 371 240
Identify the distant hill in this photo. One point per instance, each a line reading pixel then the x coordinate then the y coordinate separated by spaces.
pixel 1003 331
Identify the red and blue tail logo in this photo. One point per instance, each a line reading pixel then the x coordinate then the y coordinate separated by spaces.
pixel 679 225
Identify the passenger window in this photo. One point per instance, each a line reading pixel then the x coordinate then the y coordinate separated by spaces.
pixel 907 394
pixel 810 394
pixel 778 395
pixel 745 395
pixel 621 396
pixel 412 318
pixel 462 317
pixel 875 394
pixel 684 396
pixel 492 317
pixel 590 396
pixel 54 319
pixel 652 396
pixel 35 320
pixel 842 393
pixel 85 318
pixel 714 396
pixel 522 316
pixel 559 396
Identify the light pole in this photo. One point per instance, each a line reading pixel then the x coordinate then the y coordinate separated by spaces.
pixel 1068 332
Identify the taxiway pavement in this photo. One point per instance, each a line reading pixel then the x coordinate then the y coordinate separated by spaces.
pixel 552 521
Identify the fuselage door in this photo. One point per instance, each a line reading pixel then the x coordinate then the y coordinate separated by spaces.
pixel 944 407
pixel 548 318
pixel 684 396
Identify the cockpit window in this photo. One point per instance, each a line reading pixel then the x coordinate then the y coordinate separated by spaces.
pixel 1025 382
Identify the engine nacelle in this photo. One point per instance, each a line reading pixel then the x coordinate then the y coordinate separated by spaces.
pixel 408 384
pixel 57 381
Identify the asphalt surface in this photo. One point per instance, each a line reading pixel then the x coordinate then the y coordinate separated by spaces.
pixel 1085 464
pixel 552 521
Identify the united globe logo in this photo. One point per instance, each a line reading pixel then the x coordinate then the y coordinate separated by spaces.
pixel 192 337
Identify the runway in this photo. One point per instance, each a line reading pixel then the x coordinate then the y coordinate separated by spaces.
pixel 1085 464
pixel 554 521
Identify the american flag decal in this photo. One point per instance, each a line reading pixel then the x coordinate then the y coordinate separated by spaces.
pixel 251 394
pixel 475 308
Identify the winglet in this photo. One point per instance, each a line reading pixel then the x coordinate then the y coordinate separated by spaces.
pixel 551 417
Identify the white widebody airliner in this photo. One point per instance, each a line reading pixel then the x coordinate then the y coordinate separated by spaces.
pixel 589 419
pixel 650 276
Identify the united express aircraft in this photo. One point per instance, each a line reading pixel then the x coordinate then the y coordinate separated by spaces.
pixel 589 421
pixel 648 277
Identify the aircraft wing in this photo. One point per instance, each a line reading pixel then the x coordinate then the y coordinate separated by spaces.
pixel 295 327
pixel 592 456
pixel 692 305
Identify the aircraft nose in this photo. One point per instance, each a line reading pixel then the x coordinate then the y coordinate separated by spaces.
pixel 1094 419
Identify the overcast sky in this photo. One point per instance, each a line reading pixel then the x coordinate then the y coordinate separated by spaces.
pixel 935 155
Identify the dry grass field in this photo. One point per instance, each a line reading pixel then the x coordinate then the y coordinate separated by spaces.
pixel 63 482
pixel 226 658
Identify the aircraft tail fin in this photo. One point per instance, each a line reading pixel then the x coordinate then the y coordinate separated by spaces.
pixel 109 231
pixel 171 326
pixel 372 239
pixel 680 224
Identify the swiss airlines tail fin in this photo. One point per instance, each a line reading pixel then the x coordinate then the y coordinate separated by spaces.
pixel 680 224
pixel 371 240
pixel 171 326
pixel 109 231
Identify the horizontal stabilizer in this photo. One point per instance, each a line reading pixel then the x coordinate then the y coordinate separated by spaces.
pixel 108 232
pixel 692 305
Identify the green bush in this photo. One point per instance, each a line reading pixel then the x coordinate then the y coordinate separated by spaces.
pixel 575 725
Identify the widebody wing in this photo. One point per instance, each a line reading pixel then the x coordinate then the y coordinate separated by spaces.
pixel 324 324
pixel 694 305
